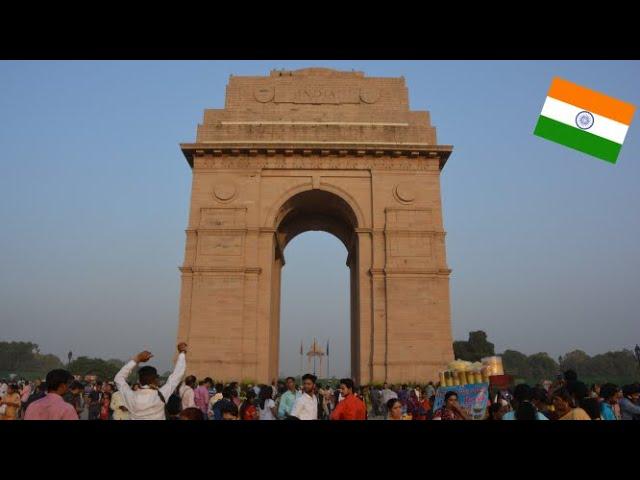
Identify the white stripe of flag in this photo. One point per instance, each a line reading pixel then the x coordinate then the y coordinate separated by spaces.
pixel 602 126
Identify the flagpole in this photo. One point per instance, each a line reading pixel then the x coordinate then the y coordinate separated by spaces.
pixel 328 371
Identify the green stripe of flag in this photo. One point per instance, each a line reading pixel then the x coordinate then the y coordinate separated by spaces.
pixel 577 139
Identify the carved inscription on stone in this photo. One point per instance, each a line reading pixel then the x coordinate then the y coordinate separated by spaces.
pixel 222 217
pixel 418 219
pixel 220 244
pixel 410 245
pixel 409 238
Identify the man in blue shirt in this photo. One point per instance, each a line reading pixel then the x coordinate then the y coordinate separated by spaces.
pixel 629 407
pixel 223 403
pixel 609 395
pixel 288 399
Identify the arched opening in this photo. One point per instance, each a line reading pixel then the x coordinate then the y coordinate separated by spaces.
pixel 316 210
pixel 315 305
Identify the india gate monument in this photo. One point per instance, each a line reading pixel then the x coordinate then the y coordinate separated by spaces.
pixel 316 149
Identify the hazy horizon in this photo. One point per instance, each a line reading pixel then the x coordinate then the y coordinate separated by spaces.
pixel 542 240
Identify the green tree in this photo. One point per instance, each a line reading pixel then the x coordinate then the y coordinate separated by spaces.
pixel 516 363
pixel 618 367
pixel 103 369
pixel 116 362
pixel 25 358
pixel 480 345
pixel 475 348
pixel 542 367
pixel 576 360
pixel 462 351
pixel 47 362
pixel 16 356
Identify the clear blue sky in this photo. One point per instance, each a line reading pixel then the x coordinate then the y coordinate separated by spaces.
pixel 94 191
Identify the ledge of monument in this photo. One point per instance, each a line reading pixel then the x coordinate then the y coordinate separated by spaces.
pixel 316 72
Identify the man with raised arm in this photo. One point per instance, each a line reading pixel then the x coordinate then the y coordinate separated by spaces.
pixel 148 402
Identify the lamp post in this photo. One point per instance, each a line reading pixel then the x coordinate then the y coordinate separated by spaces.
pixel 637 351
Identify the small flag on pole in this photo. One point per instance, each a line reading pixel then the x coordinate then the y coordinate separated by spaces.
pixel 327 347
pixel 301 350
pixel 585 120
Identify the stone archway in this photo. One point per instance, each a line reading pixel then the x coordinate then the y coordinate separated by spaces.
pixel 316 149
pixel 316 210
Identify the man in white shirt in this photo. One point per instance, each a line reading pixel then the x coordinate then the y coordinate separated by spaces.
pixel 306 406
pixel 187 392
pixel 148 402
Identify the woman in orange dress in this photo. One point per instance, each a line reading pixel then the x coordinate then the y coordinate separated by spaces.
pixel 11 401
pixel 248 410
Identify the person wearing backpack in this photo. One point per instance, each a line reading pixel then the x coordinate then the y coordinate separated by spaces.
pixel 173 407
pixel 149 401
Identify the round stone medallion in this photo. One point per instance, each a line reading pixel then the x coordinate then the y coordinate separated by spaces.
pixel 405 192
pixel 264 94
pixel 224 191
pixel 369 95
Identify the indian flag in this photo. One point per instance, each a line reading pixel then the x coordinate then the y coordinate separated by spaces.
pixel 584 120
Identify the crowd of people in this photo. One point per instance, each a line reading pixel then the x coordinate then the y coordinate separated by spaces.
pixel 61 397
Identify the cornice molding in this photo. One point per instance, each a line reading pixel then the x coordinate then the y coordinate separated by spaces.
pixel 320 149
